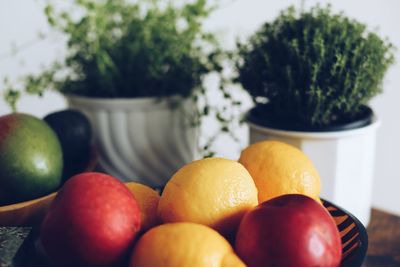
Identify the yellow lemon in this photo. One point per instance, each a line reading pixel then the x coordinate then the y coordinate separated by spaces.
pixel 215 192
pixel 183 244
pixel 147 199
pixel 278 168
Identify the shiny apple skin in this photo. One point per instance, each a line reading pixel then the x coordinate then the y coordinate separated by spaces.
pixel 290 230
pixel 92 222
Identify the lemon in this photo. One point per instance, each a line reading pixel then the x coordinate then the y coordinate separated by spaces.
pixel 278 168
pixel 147 199
pixel 183 244
pixel 215 192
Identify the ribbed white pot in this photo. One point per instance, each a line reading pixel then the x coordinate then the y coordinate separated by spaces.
pixel 140 139
pixel 344 160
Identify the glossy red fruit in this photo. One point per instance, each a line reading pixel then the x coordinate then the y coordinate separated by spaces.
pixel 92 222
pixel 290 230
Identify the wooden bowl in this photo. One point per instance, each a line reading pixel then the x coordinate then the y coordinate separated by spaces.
pixel 28 213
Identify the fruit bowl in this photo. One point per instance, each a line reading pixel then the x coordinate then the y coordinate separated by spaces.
pixel 353 235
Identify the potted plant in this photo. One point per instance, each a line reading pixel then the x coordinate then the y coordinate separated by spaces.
pixel 136 68
pixel 311 75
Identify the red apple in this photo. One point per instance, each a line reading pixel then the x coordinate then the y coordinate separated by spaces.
pixel 93 221
pixel 290 230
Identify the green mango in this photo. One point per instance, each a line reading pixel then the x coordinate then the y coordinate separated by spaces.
pixel 31 160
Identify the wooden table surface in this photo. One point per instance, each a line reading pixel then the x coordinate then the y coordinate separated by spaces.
pixel 383 250
pixel 384 240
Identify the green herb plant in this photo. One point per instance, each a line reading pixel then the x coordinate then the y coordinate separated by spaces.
pixel 127 49
pixel 314 67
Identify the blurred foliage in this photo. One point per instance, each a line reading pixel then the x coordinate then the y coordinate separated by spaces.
pixel 119 48
pixel 314 67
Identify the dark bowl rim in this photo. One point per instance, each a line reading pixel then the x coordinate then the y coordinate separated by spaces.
pixel 358 256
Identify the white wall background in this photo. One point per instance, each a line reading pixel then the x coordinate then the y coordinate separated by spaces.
pixel 20 21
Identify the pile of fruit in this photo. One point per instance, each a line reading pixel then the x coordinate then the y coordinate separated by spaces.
pixel 263 210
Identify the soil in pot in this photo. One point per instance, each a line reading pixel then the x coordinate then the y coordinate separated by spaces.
pixel 263 115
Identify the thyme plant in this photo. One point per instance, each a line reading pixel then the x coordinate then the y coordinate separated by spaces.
pixel 314 67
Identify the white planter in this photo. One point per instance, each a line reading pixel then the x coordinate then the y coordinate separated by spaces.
pixel 140 139
pixel 344 159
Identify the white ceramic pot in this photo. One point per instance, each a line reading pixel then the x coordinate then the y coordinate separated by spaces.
pixel 344 160
pixel 140 139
